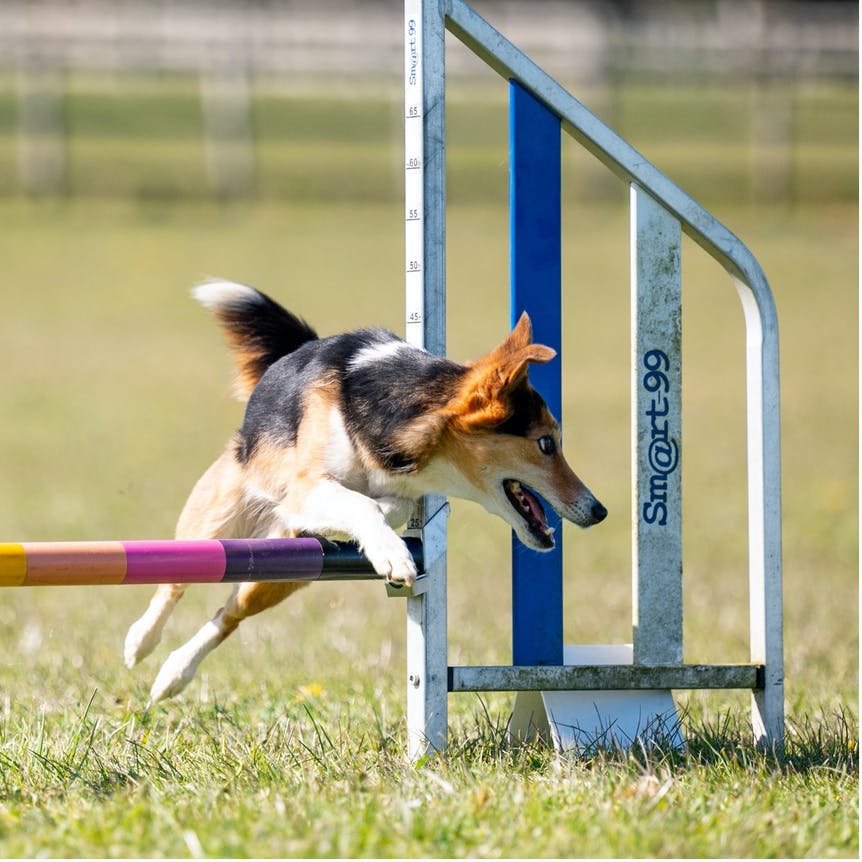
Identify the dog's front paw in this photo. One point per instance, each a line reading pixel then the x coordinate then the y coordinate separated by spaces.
pixel 393 561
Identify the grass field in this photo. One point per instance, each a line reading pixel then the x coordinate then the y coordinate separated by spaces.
pixel 290 742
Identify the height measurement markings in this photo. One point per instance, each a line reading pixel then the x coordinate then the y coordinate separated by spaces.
pixel 414 180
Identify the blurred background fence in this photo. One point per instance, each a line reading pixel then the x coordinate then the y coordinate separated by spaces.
pixel 187 99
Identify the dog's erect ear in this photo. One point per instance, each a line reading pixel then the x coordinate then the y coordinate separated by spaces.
pixel 506 365
pixel 484 399
pixel 520 336
pixel 507 372
pixel 518 345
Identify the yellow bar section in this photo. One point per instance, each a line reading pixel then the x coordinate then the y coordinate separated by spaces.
pixel 13 564
pixel 70 563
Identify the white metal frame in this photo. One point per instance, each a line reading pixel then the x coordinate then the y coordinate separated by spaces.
pixel 425 276
pixel 660 212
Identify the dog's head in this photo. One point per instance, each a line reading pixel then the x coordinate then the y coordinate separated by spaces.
pixel 504 442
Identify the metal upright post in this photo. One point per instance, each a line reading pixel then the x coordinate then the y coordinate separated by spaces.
pixel 656 432
pixel 425 220
pixel 764 507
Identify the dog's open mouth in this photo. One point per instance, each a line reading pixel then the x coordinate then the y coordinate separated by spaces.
pixel 527 505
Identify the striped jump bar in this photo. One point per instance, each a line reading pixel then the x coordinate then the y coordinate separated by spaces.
pixel 201 561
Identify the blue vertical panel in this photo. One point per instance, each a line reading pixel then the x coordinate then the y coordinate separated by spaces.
pixel 535 260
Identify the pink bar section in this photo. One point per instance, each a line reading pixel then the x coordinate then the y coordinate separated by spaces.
pixel 161 562
pixel 69 563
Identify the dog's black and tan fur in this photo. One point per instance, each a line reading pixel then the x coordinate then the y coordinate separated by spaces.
pixel 342 434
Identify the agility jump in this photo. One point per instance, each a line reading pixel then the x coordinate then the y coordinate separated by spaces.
pixel 660 213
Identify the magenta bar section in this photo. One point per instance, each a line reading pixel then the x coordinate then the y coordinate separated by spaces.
pixel 159 561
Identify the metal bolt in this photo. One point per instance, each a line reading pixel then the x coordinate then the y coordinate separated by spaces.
pixel 414 680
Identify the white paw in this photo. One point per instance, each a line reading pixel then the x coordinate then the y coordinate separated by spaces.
pixel 392 560
pixel 142 638
pixel 175 674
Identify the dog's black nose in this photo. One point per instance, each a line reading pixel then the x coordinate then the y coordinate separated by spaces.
pixel 599 512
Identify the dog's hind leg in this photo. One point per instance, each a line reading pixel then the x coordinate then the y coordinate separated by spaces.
pixel 212 511
pixel 245 601
pixel 145 633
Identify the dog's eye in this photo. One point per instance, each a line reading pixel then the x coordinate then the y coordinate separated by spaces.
pixel 547 444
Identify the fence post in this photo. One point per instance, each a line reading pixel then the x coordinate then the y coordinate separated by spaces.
pixel 40 91
pixel 225 95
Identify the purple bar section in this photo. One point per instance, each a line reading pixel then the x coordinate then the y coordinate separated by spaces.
pixel 263 559
pixel 200 561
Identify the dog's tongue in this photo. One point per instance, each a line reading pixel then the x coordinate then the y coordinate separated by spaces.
pixel 528 499
pixel 535 506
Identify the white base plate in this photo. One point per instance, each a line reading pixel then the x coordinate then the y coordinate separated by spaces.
pixel 585 720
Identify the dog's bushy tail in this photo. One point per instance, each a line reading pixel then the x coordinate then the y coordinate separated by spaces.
pixel 258 330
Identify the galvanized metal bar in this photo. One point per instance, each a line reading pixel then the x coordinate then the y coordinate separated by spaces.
pixel 605 677
pixel 535 255
pixel 605 144
pixel 427 692
pixel 656 432
pixel 766 627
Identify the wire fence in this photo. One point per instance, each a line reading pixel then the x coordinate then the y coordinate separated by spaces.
pixel 193 99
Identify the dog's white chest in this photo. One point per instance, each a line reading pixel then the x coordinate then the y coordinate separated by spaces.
pixel 342 460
